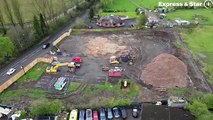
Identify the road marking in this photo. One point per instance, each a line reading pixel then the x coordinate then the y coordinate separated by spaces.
pixel 15 66
pixel 24 60
pixel 31 55
pixel 37 50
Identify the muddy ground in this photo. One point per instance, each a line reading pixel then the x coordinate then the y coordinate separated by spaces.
pixel 146 45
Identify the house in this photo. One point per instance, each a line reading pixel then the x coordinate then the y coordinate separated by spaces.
pixel 110 21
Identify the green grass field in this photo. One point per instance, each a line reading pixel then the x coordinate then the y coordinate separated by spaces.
pixel 154 3
pixel 12 95
pixel 206 15
pixel 200 42
pixel 28 7
pixel 131 5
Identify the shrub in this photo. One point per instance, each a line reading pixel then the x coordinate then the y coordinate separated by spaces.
pixel 197 108
pixel 45 107
pixel 208 100
pixel 141 20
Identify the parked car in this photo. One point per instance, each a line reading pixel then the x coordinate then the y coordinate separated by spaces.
pixel 109 114
pixel 135 111
pixel 88 114
pixel 95 115
pixel 73 114
pixel 11 71
pixel 102 114
pixel 45 46
pixel 116 112
pixel 81 115
pixel 123 113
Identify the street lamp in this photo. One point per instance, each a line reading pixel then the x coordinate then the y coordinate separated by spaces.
pixel 22 69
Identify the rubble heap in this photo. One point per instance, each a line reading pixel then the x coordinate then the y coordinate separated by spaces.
pixel 165 71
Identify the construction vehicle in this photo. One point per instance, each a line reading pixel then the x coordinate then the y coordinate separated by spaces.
pixel 78 61
pixel 115 72
pixel 54 68
pixel 72 67
pixel 114 60
pixel 105 68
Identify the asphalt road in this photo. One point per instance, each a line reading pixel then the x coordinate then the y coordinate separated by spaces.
pixel 35 51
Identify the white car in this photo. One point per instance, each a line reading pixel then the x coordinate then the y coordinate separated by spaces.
pixel 11 71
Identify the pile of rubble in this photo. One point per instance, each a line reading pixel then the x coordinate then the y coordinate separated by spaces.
pixel 100 46
pixel 165 71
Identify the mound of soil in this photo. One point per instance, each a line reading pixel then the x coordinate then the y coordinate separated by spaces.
pixel 165 71
pixel 102 46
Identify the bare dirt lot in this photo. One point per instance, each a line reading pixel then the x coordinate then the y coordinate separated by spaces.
pixel 96 49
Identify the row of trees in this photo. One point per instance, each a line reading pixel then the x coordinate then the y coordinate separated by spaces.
pixel 6 47
pixel 21 36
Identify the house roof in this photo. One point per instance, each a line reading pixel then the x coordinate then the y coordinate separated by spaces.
pixel 110 19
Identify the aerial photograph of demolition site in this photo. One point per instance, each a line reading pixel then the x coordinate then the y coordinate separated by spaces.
pixel 106 60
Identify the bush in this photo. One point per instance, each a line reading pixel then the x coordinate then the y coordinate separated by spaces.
pixel 208 116
pixel 197 108
pixel 45 107
pixel 80 26
pixel 141 20
pixel 208 100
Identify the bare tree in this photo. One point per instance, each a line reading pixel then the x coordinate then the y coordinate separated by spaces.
pixel 17 12
pixel 8 12
pixel 2 22
pixel 63 6
pixel 40 7
pixel 49 9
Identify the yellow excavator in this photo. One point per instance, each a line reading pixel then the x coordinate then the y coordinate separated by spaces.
pixel 113 60
pixel 54 68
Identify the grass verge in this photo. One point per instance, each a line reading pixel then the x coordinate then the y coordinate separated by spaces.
pixel 34 74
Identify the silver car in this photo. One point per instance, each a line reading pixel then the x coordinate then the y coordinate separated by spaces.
pixel 11 71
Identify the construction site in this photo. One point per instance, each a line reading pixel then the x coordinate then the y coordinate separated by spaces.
pixel 148 63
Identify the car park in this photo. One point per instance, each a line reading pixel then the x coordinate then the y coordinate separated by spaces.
pixel 102 114
pixel 88 114
pixel 81 115
pixel 73 114
pixel 95 115
pixel 116 112
pixel 11 71
pixel 123 113
pixel 45 46
pixel 109 114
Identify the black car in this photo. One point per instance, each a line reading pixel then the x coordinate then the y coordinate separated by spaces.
pixel 45 46
pixel 123 113
pixel 116 112
pixel 81 115
pixel 102 114
pixel 109 114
